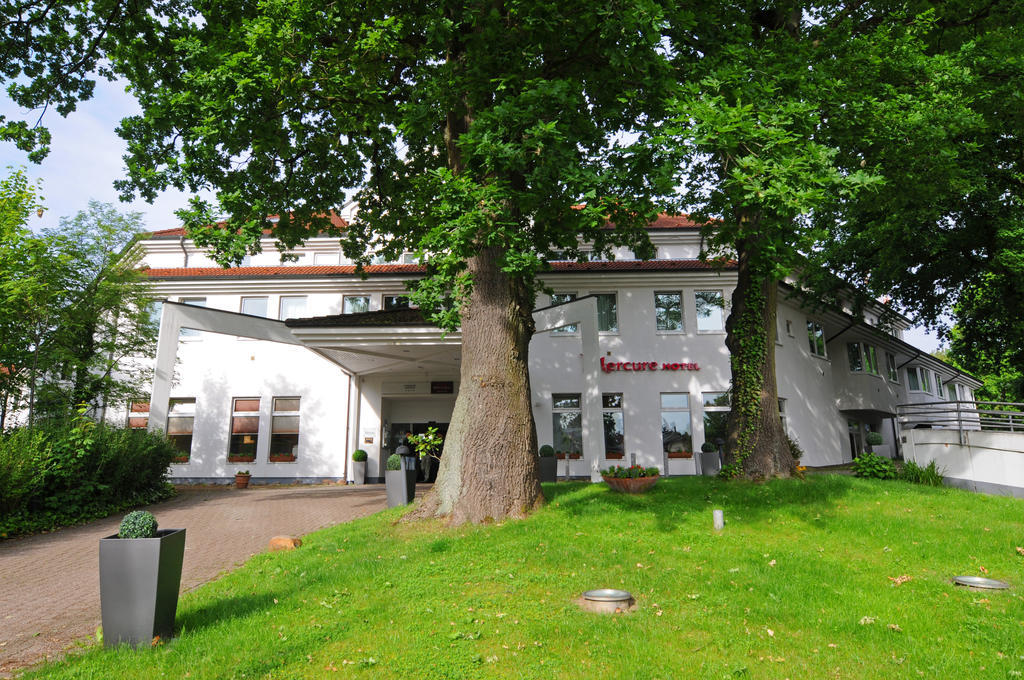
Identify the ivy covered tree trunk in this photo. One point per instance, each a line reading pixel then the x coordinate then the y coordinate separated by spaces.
pixel 488 468
pixel 756 445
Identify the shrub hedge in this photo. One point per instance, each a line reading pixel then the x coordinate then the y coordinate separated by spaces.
pixel 62 473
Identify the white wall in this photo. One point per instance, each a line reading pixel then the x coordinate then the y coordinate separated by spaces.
pixel 990 462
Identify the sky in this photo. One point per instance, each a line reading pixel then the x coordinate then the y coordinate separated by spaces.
pixel 85 160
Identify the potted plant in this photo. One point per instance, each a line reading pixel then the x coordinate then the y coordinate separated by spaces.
pixel 359 466
pixel 873 439
pixel 396 482
pixel 710 461
pixel 140 573
pixel 634 479
pixel 548 464
pixel 242 479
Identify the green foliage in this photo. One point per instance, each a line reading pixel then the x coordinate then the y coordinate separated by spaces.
pixel 61 473
pixel 631 472
pixel 359 456
pixel 394 462
pixel 427 444
pixel 794 448
pixel 138 524
pixel 929 475
pixel 873 466
pixel 708 447
pixel 546 451
pixel 873 438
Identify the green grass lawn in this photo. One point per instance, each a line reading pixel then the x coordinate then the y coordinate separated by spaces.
pixel 835 577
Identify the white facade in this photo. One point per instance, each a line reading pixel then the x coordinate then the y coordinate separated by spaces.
pixel 360 384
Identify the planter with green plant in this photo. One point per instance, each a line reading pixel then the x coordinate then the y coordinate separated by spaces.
pixel 396 482
pixel 710 459
pixel 359 466
pixel 873 439
pixel 548 464
pixel 242 479
pixel 140 574
pixel 634 479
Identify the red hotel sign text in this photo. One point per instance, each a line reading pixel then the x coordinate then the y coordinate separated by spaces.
pixel 611 366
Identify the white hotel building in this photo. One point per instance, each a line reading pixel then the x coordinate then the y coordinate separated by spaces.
pixel 285 369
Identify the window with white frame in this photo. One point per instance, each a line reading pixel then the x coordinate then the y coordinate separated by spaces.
pixel 668 311
pixel 284 429
pixel 254 306
pixel 938 384
pixel 863 357
pixel 676 432
pixel 189 333
pixel 951 391
pixel 918 379
pixel 782 415
pixel 890 367
pixel 607 313
pixel 710 311
pixel 789 328
pixel 355 304
pixel 816 338
pixel 559 299
pixel 326 258
pixel 245 428
pixel 566 423
pixel 156 312
pixel 138 415
pixel 716 416
pixel 292 307
pixel 181 414
pixel 614 432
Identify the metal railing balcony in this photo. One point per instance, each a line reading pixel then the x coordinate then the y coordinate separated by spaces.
pixel 993 416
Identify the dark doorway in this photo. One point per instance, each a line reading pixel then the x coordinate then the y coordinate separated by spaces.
pixel 426 470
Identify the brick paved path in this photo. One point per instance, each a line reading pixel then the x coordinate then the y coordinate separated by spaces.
pixel 49 584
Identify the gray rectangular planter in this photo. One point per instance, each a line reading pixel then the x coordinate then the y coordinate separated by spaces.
pixel 139 582
pixel 359 471
pixel 710 463
pixel 548 469
pixel 400 486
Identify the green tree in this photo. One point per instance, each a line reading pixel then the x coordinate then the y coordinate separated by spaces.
pixel 482 136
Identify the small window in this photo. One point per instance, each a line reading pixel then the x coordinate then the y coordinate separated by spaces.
pixel 190 333
pixel 782 415
pixel 245 429
pixel 710 311
pixel 951 391
pixel 325 258
pixel 668 311
pixel 355 304
pixel 853 353
pixel 410 258
pixel 560 299
pixel 676 432
pixel 180 419
pixel 716 416
pixel 567 423
pixel 254 306
pixel 156 312
pixel 890 366
pixel 284 429
pixel 614 434
pixel 607 313
pixel 138 415
pixel 789 328
pixel 816 338
pixel 392 302
pixel 918 379
pixel 292 307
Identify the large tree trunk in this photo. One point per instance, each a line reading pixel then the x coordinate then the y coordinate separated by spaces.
pixel 488 469
pixel 756 445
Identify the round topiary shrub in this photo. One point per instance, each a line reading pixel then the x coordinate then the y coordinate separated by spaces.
pixel 547 451
pixel 394 462
pixel 359 455
pixel 138 524
pixel 708 447
pixel 873 438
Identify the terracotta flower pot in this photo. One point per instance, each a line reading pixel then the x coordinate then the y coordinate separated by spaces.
pixel 242 481
pixel 630 484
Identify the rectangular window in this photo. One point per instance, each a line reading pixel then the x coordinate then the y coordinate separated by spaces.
pixel 816 338
pixel 710 311
pixel 716 415
pixel 245 429
pixel 614 434
pixel 870 359
pixel 560 299
pixel 668 310
pixel 254 306
pixel 853 352
pixel 189 333
pixel 912 382
pixel 156 312
pixel 607 313
pixel 951 391
pixel 292 307
pixel 782 415
pixel 355 304
pixel 396 302
pixel 789 328
pixel 181 415
pixel 918 379
pixel 138 415
pixel 284 429
pixel 325 258
pixel 410 258
pixel 938 384
pixel 676 437
pixel 890 366
pixel 567 423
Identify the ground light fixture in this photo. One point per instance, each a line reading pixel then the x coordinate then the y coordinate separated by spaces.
pixel 607 601
pixel 980 582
